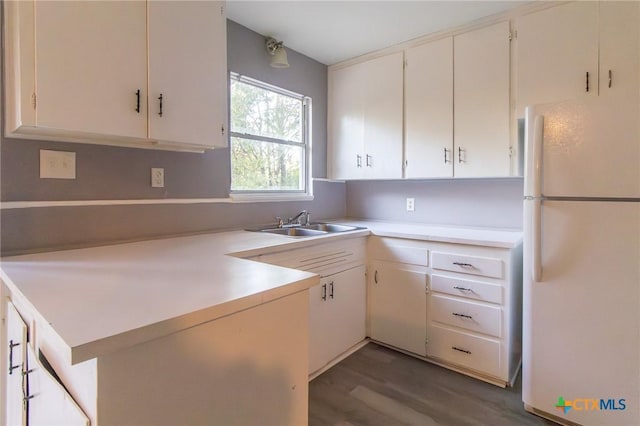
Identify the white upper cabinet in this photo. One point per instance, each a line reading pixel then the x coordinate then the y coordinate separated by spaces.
pixel 93 72
pixel 383 117
pixel 557 54
pixel 365 119
pixel 91 61
pixel 346 122
pixel 620 51
pixel 429 110
pixel 481 102
pixel 189 71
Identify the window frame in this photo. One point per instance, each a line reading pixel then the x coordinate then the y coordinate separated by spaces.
pixel 275 194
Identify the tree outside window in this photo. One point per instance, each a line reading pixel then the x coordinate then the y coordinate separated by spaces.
pixel 269 135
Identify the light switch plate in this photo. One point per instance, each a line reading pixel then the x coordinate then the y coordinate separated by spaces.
pixel 57 164
pixel 157 177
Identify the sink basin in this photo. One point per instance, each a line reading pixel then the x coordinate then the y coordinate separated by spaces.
pixel 311 230
pixel 295 232
pixel 331 227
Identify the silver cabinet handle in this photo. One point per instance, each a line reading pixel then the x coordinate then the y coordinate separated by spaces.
pixel 11 366
pixel 369 158
pixel 461 315
pixel 460 156
pixel 324 292
pixel 446 158
pixel 463 265
pixel 610 78
pixel 359 160
pixel 375 277
pixel 331 286
pixel 455 348
pixel 461 288
pixel 160 98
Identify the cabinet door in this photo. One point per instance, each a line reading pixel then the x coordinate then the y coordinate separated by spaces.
pixel 481 102
pixel 50 403
pixel 188 69
pixel 557 47
pixel 337 313
pixel 348 300
pixel 620 51
pixel 16 347
pixel 91 61
pixel 429 110
pixel 346 122
pixel 398 305
pixel 319 333
pixel 383 117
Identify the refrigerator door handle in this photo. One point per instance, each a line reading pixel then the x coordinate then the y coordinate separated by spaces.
pixel 537 241
pixel 538 131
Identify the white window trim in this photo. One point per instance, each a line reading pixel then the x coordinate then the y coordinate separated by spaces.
pixel 278 195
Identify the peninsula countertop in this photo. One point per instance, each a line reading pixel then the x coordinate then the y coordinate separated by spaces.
pixel 101 299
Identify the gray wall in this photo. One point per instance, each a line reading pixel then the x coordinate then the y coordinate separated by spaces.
pixel 467 202
pixel 105 172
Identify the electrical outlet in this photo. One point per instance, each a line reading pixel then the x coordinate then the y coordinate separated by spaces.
pixel 157 177
pixel 411 204
pixel 57 164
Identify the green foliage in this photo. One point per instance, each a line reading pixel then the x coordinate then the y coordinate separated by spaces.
pixel 261 165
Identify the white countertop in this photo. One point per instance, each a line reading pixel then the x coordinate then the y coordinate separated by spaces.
pixel 105 298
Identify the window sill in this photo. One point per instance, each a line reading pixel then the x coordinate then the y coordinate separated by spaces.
pixel 266 198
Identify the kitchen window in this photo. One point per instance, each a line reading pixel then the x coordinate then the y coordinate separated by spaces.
pixel 269 140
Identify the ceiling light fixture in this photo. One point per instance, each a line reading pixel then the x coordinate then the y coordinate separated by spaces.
pixel 277 52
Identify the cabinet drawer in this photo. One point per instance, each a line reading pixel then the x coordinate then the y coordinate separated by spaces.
pixel 398 250
pixel 464 349
pixel 474 265
pixel 467 288
pixel 465 314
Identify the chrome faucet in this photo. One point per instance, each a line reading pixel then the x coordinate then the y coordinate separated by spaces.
pixel 302 218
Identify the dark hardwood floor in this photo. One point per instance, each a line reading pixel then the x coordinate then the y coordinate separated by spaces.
pixel 379 386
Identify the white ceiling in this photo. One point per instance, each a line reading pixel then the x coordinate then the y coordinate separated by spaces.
pixel 333 31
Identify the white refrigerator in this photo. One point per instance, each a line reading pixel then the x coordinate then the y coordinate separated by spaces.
pixel 581 295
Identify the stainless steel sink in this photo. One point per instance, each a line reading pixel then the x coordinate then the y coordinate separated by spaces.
pixel 295 232
pixel 332 227
pixel 311 230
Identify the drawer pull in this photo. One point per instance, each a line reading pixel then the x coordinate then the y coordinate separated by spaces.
pixel 331 285
pixel 463 265
pixel 461 315
pixel 11 366
pixel 462 288
pixel 461 350
pixel 324 292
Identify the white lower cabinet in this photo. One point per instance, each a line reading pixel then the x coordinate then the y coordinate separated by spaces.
pixel 337 306
pixel 453 304
pixel 34 396
pixel 337 311
pixel 249 365
pixel 475 310
pixel 398 305
pixel 16 341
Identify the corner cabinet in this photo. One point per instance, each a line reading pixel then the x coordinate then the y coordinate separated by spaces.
pixel 337 305
pixel 119 73
pixel 365 119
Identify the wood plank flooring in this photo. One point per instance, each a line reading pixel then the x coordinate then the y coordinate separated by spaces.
pixel 379 386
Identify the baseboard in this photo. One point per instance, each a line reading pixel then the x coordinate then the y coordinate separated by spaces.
pixel 548 416
pixel 339 358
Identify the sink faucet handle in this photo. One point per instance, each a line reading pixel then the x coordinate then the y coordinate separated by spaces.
pixel 308 218
pixel 280 221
